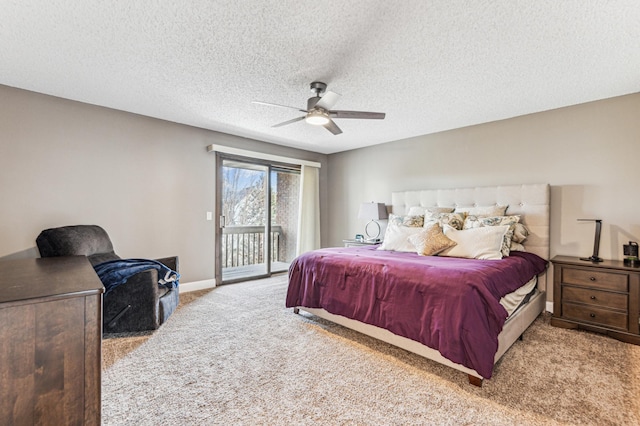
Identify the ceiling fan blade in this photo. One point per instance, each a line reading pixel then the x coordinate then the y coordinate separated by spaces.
pixel 328 100
pixel 278 105
pixel 293 120
pixel 358 114
pixel 332 127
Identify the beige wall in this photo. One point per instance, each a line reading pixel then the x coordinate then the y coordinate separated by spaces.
pixel 148 182
pixel 589 154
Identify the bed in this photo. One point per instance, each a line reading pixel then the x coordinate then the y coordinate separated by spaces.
pixel 443 308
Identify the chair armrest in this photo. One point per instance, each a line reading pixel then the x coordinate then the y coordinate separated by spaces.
pixel 143 287
pixel 170 262
pixel 141 293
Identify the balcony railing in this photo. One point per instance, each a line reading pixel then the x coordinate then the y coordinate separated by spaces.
pixel 244 245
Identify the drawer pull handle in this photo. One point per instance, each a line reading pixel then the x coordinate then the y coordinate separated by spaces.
pixel 592 278
pixel 593 298
pixel 592 315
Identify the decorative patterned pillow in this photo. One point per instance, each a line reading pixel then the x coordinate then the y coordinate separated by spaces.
pixel 431 240
pixel 520 233
pixel 472 222
pixel 476 243
pixel 516 247
pixel 396 237
pixel 412 221
pixel 455 220
pixel 483 210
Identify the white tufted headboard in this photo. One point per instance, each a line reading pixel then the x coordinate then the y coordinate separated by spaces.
pixel 531 202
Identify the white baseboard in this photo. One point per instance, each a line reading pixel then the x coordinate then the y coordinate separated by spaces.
pixel 549 307
pixel 197 285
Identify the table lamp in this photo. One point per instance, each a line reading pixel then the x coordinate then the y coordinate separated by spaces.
pixel 373 212
pixel 596 243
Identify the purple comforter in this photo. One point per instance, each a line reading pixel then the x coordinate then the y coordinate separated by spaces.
pixel 448 304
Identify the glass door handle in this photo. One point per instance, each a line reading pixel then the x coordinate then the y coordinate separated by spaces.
pixel 222 221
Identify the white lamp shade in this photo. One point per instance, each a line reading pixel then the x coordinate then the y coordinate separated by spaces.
pixel 372 211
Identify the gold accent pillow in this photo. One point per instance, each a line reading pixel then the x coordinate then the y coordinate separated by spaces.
pixel 431 240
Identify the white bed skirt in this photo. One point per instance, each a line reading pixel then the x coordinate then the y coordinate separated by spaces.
pixel 512 330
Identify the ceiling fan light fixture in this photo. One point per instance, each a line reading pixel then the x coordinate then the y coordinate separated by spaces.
pixel 320 111
pixel 317 118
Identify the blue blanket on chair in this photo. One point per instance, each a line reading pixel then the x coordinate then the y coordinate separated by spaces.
pixel 116 272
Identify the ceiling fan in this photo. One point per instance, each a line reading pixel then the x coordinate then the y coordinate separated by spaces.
pixel 319 110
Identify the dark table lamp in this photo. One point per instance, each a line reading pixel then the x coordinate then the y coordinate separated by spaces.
pixel 373 212
pixel 596 243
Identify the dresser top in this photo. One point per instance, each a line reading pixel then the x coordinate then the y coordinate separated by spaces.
pixel 26 279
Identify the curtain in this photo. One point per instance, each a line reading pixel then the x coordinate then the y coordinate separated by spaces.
pixel 309 216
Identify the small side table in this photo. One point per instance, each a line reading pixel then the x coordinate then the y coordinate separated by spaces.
pixel 356 243
pixel 603 297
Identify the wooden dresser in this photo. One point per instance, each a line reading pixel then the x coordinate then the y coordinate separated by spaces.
pixel 50 342
pixel 602 297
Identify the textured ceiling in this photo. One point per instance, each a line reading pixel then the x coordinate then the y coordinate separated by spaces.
pixel 430 65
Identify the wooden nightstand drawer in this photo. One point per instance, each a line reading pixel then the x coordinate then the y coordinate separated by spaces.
pixel 595 297
pixel 594 315
pixel 595 279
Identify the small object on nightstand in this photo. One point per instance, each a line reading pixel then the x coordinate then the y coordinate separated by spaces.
pixel 596 242
pixel 631 254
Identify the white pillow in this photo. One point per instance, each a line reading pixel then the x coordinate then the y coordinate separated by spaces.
pixel 476 243
pixel 396 238
pixel 480 221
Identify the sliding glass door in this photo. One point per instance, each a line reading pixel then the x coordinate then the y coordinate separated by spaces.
pixel 285 197
pixel 257 204
pixel 244 220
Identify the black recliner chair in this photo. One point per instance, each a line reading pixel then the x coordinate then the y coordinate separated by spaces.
pixel 139 304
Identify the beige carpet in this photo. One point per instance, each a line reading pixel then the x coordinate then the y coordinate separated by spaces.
pixel 117 345
pixel 235 355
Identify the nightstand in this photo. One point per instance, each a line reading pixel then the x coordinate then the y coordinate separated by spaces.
pixel 603 297
pixel 355 243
